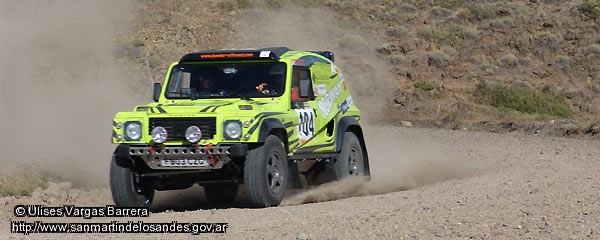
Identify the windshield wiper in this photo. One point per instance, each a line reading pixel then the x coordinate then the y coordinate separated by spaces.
pixel 232 94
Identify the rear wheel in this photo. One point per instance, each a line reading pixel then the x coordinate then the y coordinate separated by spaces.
pixel 266 173
pixel 222 193
pixel 350 161
pixel 125 191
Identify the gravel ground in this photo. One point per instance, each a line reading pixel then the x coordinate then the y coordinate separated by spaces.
pixel 426 184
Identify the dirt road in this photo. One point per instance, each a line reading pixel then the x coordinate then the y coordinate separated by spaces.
pixel 426 184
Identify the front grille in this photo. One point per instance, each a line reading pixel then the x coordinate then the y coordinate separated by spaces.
pixel 176 126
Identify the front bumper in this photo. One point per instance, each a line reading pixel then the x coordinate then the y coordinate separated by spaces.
pixel 183 157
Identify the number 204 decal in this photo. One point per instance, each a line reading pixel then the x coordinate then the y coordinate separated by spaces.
pixel 306 126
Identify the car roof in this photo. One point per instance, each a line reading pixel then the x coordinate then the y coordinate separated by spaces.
pixel 273 53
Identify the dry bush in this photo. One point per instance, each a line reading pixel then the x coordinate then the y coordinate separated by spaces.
pixel 22 180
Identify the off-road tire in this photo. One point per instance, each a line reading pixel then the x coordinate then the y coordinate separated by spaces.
pixel 350 162
pixel 266 173
pixel 123 189
pixel 221 193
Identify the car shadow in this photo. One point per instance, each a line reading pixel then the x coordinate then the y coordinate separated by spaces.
pixel 192 199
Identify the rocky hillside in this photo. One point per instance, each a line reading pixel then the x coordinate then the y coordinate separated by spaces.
pixel 444 63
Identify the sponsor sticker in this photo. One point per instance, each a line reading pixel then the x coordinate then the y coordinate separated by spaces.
pixel 346 104
pixel 321 89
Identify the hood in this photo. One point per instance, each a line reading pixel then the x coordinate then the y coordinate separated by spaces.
pixel 191 108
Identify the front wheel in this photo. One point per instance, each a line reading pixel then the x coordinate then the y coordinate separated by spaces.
pixel 266 173
pixel 351 160
pixel 125 191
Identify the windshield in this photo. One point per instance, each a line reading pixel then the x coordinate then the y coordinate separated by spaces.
pixel 244 80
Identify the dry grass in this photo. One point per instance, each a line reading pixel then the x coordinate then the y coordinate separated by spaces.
pixel 23 180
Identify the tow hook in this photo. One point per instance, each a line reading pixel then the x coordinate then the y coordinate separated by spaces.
pixel 213 159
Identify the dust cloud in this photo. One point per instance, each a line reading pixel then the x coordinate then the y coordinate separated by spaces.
pixel 395 163
pixel 61 86
pixel 317 29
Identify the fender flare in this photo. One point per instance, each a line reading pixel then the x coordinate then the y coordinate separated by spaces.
pixel 122 157
pixel 269 125
pixel 342 127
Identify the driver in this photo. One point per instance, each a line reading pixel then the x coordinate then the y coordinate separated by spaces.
pixel 274 85
pixel 209 84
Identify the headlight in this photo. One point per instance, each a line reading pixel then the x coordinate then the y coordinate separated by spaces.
pixel 133 131
pixel 193 134
pixel 233 129
pixel 159 134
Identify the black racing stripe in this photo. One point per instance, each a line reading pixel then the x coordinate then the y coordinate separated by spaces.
pixel 290 133
pixel 152 110
pixel 333 76
pixel 252 129
pixel 253 120
pixel 114 134
pixel 293 142
pixel 205 109
pixel 214 109
pixel 160 109
pixel 263 115
pixel 288 124
pixel 256 117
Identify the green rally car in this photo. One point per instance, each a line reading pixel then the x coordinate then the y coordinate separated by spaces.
pixel 270 119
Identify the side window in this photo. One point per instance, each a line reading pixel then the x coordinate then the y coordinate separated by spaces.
pixel 298 74
pixel 179 85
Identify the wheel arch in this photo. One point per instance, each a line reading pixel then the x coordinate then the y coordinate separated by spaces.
pixel 272 126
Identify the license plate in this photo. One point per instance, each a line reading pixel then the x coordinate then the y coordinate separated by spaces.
pixel 184 163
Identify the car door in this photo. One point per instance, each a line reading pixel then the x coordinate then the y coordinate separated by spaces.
pixel 315 129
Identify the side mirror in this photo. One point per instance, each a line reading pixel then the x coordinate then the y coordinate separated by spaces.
pixel 305 88
pixel 156 92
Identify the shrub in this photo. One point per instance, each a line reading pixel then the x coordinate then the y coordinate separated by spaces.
pixel 429 33
pixel 130 48
pixel 21 181
pixel 437 58
pixel 509 60
pixel 137 42
pixel 593 49
pixel 425 86
pixel 489 69
pixel 397 31
pixel 502 22
pixel 274 4
pixel 525 61
pixel 440 12
pixel 522 100
pixel 452 35
pixel 244 3
pixel 450 4
pixel 562 62
pixel 450 51
pixel 479 12
pixel 154 61
pixel 408 9
pixel 591 9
